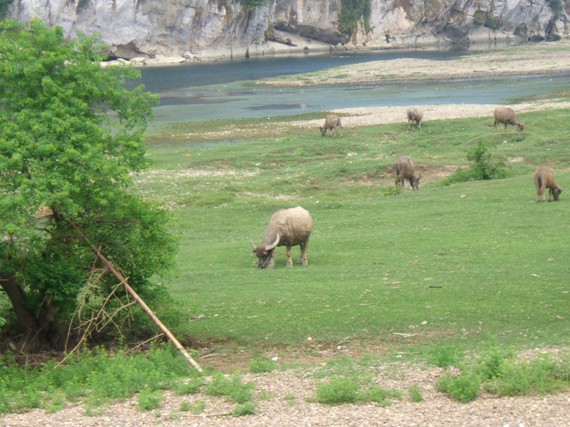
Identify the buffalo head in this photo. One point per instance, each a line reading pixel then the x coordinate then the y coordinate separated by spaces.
pixel 265 254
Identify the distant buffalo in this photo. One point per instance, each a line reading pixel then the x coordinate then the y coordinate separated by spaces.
pixel 543 179
pixel 507 116
pixel 415 117
pixel 404 169
pixel 287 227
pixel 332 122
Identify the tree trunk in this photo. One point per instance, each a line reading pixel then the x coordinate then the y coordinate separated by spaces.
pixel 35 332
pixel 25 318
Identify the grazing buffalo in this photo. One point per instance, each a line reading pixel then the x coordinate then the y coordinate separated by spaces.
pixel 507 116
pixel 543 179
pixel 287 227
pixel 332 122
pixel 404 169
pixel 415 117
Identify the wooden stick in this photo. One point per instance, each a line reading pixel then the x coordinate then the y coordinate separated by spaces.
pixel 139 300
pixel 148 311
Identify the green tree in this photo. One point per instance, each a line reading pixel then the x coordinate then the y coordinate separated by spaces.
pixel 4 7
pixel 71 135
pixel 252 4
pixel 351 12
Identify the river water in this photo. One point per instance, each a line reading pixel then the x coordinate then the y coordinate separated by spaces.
pixel 202 91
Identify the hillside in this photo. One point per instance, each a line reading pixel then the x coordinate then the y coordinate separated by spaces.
pixel 197 29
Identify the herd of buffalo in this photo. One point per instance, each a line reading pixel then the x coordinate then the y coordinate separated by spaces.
pixel 292 227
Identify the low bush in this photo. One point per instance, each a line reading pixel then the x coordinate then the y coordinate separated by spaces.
pixel 149 399
pixel 484 167
pixel 260 366
pixel 501 373
pixel 230 388
pixel 415 394
pixel 463 388
pixel 244 409
pixel 337 391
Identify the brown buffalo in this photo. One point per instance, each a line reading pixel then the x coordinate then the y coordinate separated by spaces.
pixel 332 122
pixel 507 116
pixel 415 117
pixel 404 169
pixel 543 179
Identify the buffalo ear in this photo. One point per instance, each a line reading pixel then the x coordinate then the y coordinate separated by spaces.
pixel 254 247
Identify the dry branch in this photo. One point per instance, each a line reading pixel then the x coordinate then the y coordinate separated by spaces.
pixel 140 301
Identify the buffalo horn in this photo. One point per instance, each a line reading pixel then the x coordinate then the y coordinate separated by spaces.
pixel 272 246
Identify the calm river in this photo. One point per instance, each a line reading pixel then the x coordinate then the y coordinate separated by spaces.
pixel 217 90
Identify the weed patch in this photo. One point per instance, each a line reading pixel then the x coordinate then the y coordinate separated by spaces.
pixel 230 388
pixel 259 366
pixel 501 373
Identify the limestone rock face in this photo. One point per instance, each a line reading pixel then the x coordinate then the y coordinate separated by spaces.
pixel 190 28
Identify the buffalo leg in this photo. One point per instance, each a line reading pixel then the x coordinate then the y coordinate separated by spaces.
pixel 289 260
pixel 303 260
pixel 540 193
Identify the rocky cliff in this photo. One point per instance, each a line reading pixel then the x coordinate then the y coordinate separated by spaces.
pixel 194 28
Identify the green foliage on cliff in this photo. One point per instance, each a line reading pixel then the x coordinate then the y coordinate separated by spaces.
pixel 353 11
pixel 558 6
pixel 252 4
pixel 488 20
pixel 4 7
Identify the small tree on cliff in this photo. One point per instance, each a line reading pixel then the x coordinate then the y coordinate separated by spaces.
pixel 70 137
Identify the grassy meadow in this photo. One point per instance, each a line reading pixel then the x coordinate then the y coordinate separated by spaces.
pixel 472 264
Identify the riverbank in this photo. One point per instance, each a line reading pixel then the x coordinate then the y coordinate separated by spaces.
pixel 527 61
pixel 541 59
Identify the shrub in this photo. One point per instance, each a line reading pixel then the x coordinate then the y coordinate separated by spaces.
pixel 196 408
pixel 191 386
pixel 232 389
pixel 259 366
pixel 415 394
pixel 491 364
pixel 4 7
pixel 246 408
pixel 337 391
pixel 351 12
pixel 483 167
pixel 479 17
pixel 379 395
pixel 149 399
pixel 493 22
pixel 463 388
pixel 540 376
pixel 444 356
pixel 252 4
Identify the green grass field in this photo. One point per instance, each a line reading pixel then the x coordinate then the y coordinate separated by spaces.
pixel 471 264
